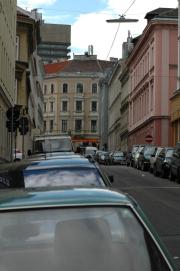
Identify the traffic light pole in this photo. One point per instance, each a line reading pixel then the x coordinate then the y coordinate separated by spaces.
pixel 23 127
pixel 12 114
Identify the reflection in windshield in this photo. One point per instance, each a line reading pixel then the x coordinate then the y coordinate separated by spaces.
pixel 62 177
pixel 76 239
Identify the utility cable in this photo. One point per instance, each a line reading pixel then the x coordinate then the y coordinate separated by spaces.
pixel 118 29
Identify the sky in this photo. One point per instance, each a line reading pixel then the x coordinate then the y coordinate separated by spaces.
pixel 88 21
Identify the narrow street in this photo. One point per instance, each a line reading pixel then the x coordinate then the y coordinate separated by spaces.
pixel 159 198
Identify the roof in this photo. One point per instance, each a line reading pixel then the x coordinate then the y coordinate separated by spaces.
pixel 162 13
pixel 79 66
pixel 62 197
pixel 55 67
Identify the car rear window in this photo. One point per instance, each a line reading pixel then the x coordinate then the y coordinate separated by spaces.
pixel 62 177
pixel 53 145
pixel 118 154
pixel 169 153
pixel 81 239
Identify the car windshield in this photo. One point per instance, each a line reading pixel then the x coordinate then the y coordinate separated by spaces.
pixel 169 153
pixel 149 150
pixel 52 145
pixel 62 177
pixel 117 154
pixel 134 149
pixel 158 151
pixel 80 239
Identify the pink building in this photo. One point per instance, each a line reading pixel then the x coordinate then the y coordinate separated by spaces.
pixel 153 78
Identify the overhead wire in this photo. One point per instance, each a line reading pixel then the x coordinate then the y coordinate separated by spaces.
pixel 118 29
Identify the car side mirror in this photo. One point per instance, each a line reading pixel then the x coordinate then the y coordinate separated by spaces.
pixel 111 178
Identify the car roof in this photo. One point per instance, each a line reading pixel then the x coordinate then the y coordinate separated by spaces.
pixel 40 198
pixel 63 161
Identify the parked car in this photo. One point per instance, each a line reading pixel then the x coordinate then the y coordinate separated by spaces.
pixel 163 161
pixel 153 157
pixel 103 158
pixel 144 157
pixel 77 229
pixel 131 155
pixel 108 157
pixel 118 158
pixel 136 156
pixel 175 164
pixel 90 151
pixel 97 155
pixel 64 171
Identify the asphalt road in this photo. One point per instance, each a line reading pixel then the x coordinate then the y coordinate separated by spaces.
pixel 159 198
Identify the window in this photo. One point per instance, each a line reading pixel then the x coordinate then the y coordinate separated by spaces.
pixel 64 126
pixel 51 106
pixel 79 88
pixel 79 106
pixel 52 88
pixel 93 126
pixel 94 88
pixel 45 89
pixel 94 106
pixel 64 106
pixel 17 47
pixel 65 88
pixel 45 107
pixel 44 125
pixel 78 125
pixel 51 125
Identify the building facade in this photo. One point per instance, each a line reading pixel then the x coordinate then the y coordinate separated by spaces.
pixel 7 70
pixel 153 69
pixel 175 99
pixel 55 42
pixel 114 102
pixel 29 77
pixel 71 98
pixel 124 107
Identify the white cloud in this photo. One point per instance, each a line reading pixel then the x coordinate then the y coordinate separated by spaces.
pixel 30 4
pixel 93 29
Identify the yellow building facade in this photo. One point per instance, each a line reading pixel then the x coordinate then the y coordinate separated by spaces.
pixel 71 99
pixel 175 117
pixel 7 69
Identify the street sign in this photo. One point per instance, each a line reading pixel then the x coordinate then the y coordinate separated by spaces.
pixel 148 138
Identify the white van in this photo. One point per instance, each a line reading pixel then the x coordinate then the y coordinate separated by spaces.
pixel 50 144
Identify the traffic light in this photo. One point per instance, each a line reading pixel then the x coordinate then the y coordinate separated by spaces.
pixel 13 126
pixel 13 115
pixel 23 125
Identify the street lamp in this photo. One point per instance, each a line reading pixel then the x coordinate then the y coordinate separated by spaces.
pixel 122 19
